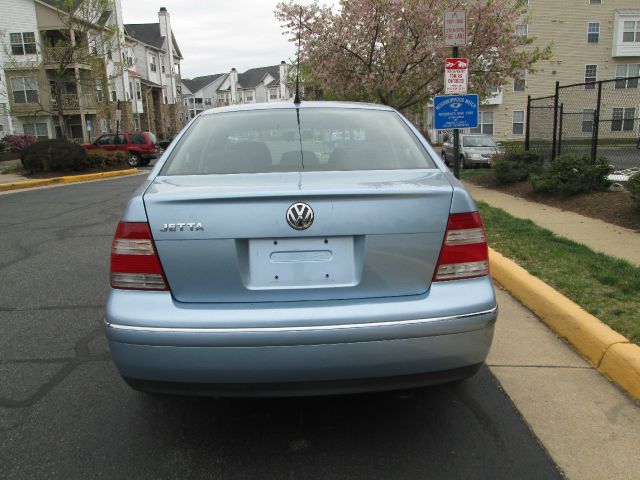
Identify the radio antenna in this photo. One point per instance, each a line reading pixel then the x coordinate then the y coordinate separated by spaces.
pixel 296 99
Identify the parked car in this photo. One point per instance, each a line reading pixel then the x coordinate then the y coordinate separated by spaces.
pixel 475 150
pixel 247 264
pixel 141 146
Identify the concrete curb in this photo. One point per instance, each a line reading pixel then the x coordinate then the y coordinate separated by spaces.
pixel 61 180
pixel 611 353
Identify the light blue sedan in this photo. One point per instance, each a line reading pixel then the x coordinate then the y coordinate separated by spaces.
pixel 284 249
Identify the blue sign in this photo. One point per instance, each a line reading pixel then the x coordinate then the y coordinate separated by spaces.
pixel 455 111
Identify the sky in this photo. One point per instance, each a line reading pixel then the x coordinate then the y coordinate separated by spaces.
pixel 216 35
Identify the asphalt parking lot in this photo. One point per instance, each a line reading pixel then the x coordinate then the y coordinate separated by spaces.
pixel 65 412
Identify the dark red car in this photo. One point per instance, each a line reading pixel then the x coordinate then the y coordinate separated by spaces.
pixel 142 146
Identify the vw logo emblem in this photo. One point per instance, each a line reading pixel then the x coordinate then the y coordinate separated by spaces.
pixel 300 216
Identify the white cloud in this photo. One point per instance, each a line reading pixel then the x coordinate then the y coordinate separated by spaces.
pixel 215 36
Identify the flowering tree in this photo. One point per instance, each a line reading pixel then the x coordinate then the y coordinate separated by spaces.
pixel 392 51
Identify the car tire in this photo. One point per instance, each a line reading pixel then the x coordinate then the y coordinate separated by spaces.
pixel 134 160
pixel 146 162
pixel 463 163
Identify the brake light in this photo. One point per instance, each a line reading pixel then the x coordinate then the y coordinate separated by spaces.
pixel 464 251
pixel 134 261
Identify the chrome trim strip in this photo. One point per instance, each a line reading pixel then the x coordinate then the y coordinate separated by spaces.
pixel 397 323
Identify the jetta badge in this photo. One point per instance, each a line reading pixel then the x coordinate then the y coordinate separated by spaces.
pixel 300 216
pixel 174 227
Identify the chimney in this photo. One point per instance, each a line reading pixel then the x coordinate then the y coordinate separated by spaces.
pixel 283 80
pixel 233 82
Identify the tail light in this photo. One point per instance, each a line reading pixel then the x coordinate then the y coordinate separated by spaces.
pixel 464 252
pixel 134 261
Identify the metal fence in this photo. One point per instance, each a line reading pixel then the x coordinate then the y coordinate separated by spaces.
pixel 595 119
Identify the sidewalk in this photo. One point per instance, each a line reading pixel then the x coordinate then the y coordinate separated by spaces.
pixel 600 236
pixel 589 427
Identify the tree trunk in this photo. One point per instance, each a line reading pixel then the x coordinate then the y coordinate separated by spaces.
pixel 60 110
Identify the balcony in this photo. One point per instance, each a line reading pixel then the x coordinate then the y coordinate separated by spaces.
pixel 73 101
pixel 53 57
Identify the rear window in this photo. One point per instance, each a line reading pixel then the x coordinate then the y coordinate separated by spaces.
pixel 138 139
pixel 263 141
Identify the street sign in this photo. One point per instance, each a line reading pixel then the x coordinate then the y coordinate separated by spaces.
pixel 118 115
pixel 456 73
pixel 455 29
pixel 455 111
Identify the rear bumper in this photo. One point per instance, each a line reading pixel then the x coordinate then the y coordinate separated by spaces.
pixel 319 347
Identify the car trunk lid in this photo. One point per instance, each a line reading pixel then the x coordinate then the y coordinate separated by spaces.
pixel 225 238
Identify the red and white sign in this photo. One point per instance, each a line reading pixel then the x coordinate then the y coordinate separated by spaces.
pixel 455 29
pixel 456 73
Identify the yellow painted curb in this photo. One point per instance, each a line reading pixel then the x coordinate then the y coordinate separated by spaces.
pixel 621 364
pixel 613 354
pixel 68 179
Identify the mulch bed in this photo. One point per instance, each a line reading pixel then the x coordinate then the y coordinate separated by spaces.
pixel 612 207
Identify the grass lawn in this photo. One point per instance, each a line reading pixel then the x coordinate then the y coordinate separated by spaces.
pixel 472 172
pixel 604 286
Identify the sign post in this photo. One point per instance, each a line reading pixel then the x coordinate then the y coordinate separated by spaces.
pixel 455 35
pixel 118 119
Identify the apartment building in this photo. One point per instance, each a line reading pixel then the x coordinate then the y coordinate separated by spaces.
pixel 592 40
pixel 154 76
pixel 256 85
pixel 120 73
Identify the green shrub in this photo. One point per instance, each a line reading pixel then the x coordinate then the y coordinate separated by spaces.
pixel 516 166
pixel 3 145
pixel 572 174
pixel 53 155
pixel 102 160
pixel 633 185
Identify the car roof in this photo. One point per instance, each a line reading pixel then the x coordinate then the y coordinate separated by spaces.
pixel 291 105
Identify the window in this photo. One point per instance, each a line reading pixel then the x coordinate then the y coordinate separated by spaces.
pixel 114 96
pixel 162 66
pixel 138 139
pixel 244 143
pixel 522 30
pixel 25 90
pixel 138 91
pixel 23 43
pixel 623 119
pixel 590 76
pixel 130 92
pixel 39 130
pixel 517 123
pixel 627 70
pixel 4 110
pixel 248 97
pixel 103 125
pixel 593 32
pixel 485 123
pixel 152 63
pixel 631 31
pixel 109 54
pixel 520 81
pixel 1 130
pixel 273 94
pixel 587 120
pixel 207 101
pixel 595 2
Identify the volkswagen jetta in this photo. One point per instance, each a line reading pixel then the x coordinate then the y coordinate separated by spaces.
pixel 288 249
